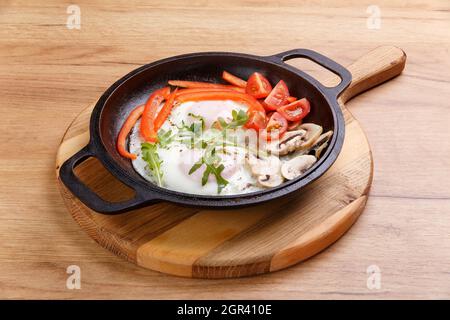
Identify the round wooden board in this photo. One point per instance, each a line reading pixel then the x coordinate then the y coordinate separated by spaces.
pixel 223 244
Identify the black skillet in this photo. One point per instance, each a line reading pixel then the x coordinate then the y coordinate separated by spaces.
pixel 134 88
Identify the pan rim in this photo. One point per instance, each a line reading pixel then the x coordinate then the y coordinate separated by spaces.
pixel 319 168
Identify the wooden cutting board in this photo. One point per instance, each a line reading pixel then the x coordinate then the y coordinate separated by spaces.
pixel 222 244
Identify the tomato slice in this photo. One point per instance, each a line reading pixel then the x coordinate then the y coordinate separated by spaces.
pixel 296 110
pixel 291 99
pixel 276 127
pixel 258 86
pixel 277 97
pixel 266 107
pixel 256 120
pixel 269 114
pixel 294 125
pixel 228 77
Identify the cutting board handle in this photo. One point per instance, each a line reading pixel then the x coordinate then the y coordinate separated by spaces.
pixel 374 68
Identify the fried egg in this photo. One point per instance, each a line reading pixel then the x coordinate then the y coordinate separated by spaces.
pixel 178 158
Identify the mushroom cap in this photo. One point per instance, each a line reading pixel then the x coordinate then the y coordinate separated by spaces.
pixel 322 142
pixel 291 141
pixel 301 139
pixel 297 166
pixel 270 180
pixel 266 170
pixel 261 166
pixel 313 132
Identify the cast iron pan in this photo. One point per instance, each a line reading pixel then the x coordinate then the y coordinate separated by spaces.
pixel 133 89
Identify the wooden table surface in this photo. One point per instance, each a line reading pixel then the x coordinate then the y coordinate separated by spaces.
pixel 49 73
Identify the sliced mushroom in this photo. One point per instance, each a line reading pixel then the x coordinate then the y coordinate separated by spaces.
pixel 270 180
pixel 301 139
pixel 298 166
pixel 262 166
pixel 321 143
pixel 266 170
pixel 313 132
pixel 291 141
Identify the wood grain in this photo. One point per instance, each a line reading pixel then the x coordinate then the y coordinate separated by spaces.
pixel 214 244
pixel 256 240
pixel 47 73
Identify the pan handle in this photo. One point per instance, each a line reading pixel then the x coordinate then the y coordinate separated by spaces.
pixel 90 198
pixel 327 63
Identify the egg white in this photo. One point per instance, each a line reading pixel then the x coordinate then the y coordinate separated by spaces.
pixel 178 159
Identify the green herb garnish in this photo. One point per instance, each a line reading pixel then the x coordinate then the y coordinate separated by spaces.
pixel 200 118
pixel 213 166
pixel 239 119
pixel 150 155
pixel 190 134
pixel 196 127
pixel 165 138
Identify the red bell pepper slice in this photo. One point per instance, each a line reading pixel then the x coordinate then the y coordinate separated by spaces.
pixel 148 131
pixel 238 82
pixel 181 92
pixel 165 111
pixel 251 102
pixel 256 113
pixel 199 84
pixel 125 130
